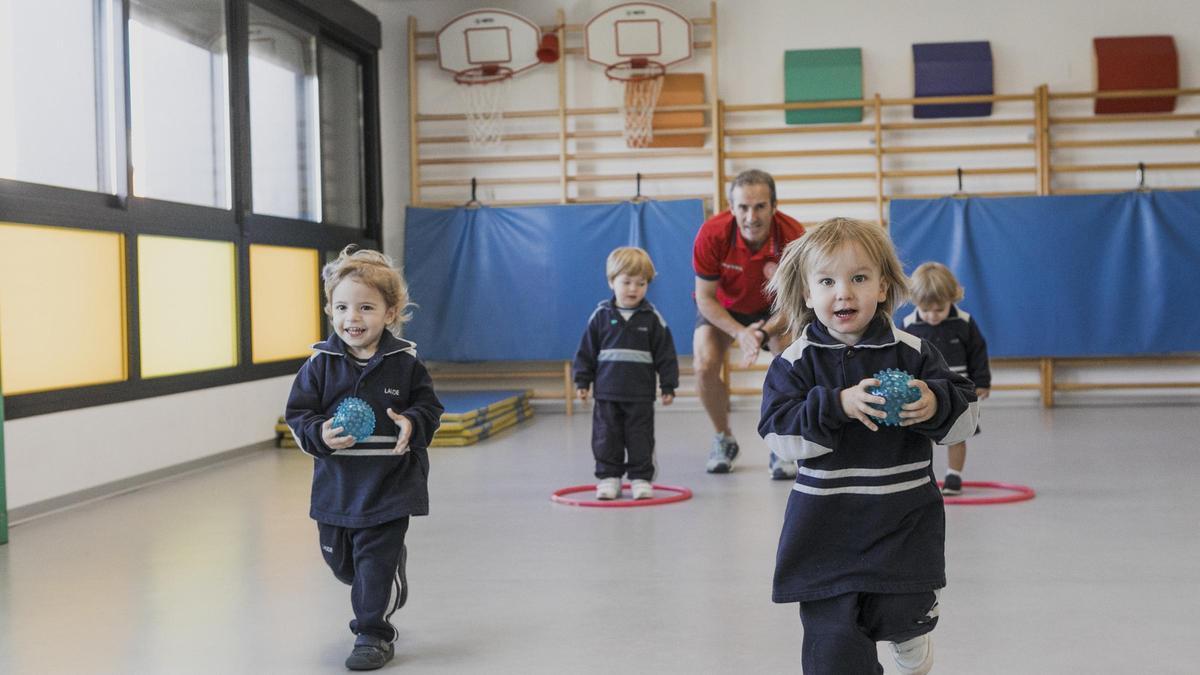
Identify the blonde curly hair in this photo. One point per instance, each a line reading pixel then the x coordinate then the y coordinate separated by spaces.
pixel 373 269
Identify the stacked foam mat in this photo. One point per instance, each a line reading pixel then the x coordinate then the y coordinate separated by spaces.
pixel 469 417
pixel 472 416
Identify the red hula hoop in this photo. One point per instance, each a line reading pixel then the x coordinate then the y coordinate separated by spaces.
pixel 1016 493
pixel 559 496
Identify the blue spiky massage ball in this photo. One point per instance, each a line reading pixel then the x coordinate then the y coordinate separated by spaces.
pixel 355 417
pixel 895 389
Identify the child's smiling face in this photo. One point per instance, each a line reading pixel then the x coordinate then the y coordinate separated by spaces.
pixel 844 289
pixel 359 316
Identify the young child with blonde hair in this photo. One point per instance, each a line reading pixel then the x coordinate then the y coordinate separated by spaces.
pixel 626 344
pixel 862 548
pixel 365 490
pixel 938 318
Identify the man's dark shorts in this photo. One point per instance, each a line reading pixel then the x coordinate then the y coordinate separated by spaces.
pixel 744 319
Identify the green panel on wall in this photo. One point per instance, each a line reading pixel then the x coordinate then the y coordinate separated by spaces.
pixel 822 75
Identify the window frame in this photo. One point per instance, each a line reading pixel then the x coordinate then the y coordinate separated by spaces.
pixel 339 23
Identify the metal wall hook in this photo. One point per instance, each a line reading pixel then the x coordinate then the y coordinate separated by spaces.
pixel 637 195
pixel 473 203
pixel 960 175
pixel 1141 176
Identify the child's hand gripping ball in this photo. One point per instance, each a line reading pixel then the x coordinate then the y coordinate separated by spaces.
pixel 355 417
pixel 895 389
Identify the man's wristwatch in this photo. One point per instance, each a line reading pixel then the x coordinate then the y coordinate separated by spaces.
pixel 766 337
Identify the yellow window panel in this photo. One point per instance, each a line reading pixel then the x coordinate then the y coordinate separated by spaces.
pixel 187 305
pixel 285 302
pixel 62 308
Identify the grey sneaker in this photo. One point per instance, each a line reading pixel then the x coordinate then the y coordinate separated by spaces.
pixel 914 657
pixel 781 469
pixel 370 653
pixel 724 451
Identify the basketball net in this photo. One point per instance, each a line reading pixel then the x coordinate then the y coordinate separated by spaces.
pixel 485 119
pixel 643 83
pixel 640 98
pixel 483 89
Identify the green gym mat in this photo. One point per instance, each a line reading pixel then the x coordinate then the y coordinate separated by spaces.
pixel 822 75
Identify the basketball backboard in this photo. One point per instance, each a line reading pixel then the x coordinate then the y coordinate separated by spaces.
pixel 488 37
pixel 638 30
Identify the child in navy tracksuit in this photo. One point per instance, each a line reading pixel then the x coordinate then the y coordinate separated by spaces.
pixel 363 492
pixel 934 291
pixel 863 542
pixel 625 344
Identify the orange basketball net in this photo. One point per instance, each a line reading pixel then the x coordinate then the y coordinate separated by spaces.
pixel 484 88
pixel 643 80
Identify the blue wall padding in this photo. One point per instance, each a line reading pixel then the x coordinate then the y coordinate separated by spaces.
pixel 952 69
pixel 1089 275
pixel 518 284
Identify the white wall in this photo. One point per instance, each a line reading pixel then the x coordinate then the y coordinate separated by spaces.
pixel 48 456
pixel 1033 43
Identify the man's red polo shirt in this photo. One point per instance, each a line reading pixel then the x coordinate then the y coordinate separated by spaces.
pixel 720 254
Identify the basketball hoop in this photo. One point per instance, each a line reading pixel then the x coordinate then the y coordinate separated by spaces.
pixel 643 80
pixel 483 49
pixel 483 89
pixel 636 42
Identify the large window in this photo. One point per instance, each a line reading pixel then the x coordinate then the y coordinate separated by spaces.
pixel 55 94
pixel 171 173
pixel 284 141
pixel 179 101
pixel 342 136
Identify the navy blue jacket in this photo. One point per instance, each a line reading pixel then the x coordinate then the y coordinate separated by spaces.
pixel 621 357
pixel 960 342
pixel 865 513
pixel 366 484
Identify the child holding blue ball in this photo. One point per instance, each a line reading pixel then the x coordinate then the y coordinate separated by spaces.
pixel 863 543
pixel 366 486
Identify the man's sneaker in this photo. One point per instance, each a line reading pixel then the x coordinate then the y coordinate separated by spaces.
pixel 915 656
pixel 724 451
pixel 952 485
pixel 641 489
pixel 608 488
pixel 370 653
pixel 781 469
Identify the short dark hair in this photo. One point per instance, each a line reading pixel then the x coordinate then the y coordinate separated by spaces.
pixel 753 177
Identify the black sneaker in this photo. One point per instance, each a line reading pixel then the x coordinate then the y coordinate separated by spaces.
pixel 952 485
pixel 370 653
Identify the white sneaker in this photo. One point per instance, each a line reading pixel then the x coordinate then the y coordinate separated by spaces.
pixel 608 489
pixel 642 489
pixel 915 656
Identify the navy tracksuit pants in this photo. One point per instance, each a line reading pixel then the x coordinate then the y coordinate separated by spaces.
pixel 840 632
pixel 618 426
pixel 371 560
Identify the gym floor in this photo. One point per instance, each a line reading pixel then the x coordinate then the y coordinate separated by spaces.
pixel 218 571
